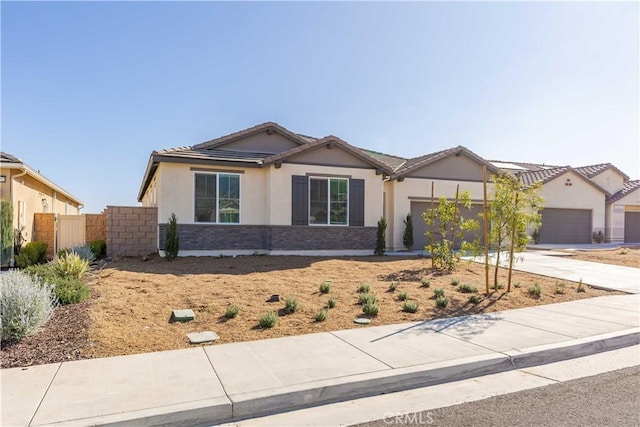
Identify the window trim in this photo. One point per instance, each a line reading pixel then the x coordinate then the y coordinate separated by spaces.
pixel 217 173
pixel 327 178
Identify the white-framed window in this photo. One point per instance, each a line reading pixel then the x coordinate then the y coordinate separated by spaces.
pixel 328 201
pixel 217 198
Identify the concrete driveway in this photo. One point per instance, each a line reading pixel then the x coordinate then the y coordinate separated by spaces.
pixel 605 276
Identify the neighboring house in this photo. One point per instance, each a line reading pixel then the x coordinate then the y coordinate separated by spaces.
pixel 30 192
pixel 267 190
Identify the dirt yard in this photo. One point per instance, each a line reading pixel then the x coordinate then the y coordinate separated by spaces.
pixel 629 257
pixel 133 299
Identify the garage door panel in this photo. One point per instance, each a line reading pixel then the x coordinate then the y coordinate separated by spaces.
pixel 565 226
pixel 632 227
pixel 420 227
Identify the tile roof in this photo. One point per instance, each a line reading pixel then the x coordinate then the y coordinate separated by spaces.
pixel 213 154
pixel 542 175
pixel 593 170
pixel 628 188
pixel 6 157
pixel 418 162
pixel 217 142
pixel 393 162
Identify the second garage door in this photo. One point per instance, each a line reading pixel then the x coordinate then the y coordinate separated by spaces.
pixel 565 226
pixel 632 227
pixel 420 226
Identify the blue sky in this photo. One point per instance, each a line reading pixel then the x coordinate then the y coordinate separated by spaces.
pixel 89 89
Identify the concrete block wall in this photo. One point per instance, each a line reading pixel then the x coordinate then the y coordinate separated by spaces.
pixel 96 226
pixel 44 229
pixel 131 230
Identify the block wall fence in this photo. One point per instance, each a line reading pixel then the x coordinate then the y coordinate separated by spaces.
pixel 131 230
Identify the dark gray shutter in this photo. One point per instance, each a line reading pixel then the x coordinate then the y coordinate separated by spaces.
pixel 299 200
pixel 356 202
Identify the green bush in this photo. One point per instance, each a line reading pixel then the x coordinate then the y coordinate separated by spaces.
pixel 26 304
pixel 70 265
pixel 455 282
pixel 467 288
pixel 474 299
pixel 410 306
pixel 559 288
pixel 321 316
pixel 331 303
pixel 83 252
pixel 363 289
pixel 367 298
pixel 68 290
pixel 438 292
pixel 6 232
pixel 581 287
pixel 403 296
pixel 393 286
pixel 31 253
pixel 425 282
pixel 442 302
pixel 268 320
pixel 325 287
pixel 231 311
pixel 407 239
pixel 99 248
pixel 172 241
pixel 291 305
pixel 370 309
pixel 535 290
pixel 381 237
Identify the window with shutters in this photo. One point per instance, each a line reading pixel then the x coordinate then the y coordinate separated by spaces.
pixel 328 201
pixel 217 198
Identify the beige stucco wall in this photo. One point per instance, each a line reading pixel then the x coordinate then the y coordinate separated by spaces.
pixel 175 192
pixel 609 180
pixel 614 221
pixel 36 198
pixel 420 190
pixel 579 195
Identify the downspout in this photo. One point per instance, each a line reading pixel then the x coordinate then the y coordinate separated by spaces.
pixel 21 174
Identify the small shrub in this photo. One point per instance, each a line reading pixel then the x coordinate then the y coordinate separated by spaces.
pixel 403 296
pixel 31 253
pixel 442 302
pixel 321 316
pixel 623 251
pixel 559 288
pixel 381 237
pixel 410 306
pixel 581 287
pixel 455 282
pixel 268 320
pixel 99 248
pixel 499 286
pixel 598 237
pixel 70 265
pixel 425 282
pixel 370 309
pixel 367 298
pixel 467 288
pixel 474 299
pixel 438 292
pixel 363 289
pixel 393 286
pixel 407 239
pixel 26 304
pixel 231 311
pixel 517 285
pixel 291 304
pixel 6 232
pixel 535 290
pixel 84 252
pixel 325 287
pixel 69 290
pixel 331 303
pixel 172 240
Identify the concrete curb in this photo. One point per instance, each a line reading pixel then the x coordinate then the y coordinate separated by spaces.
pixel 269 402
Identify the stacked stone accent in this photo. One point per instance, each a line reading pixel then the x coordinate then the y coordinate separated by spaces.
pixel 44 229
pixel 131 231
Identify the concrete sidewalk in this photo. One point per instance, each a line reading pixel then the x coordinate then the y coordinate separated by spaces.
pixel 599 275
pixel 214 384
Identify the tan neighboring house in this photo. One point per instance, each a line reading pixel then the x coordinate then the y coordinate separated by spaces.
pixel 30 193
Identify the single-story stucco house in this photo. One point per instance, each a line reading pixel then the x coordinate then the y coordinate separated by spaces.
pixel 269 190
pixel 30 192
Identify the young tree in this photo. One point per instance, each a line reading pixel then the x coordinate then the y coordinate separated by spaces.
pixel 172 241
pixel 6 232
pixel 381 240
pixel 407 239
pixel 512 209
pixel 446 228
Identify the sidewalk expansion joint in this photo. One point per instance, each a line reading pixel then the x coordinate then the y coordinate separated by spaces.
pixel 218 377
pixel 362 351
pixel 45 393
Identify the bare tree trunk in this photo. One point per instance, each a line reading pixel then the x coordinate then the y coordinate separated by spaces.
pixel 433 221
pixel 513 242
pixel 486 231
pixel 454 222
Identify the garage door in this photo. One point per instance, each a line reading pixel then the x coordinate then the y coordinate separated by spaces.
pixel 565 226
pixel 420 226
pixel 632 227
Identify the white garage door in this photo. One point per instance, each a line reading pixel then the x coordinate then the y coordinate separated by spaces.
pixel 565 226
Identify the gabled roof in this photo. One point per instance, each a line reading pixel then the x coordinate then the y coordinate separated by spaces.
pixel 12 162
pixel 391 161
pixel 593 170
pixel 545 175
pixel 419 162
pixel 629 187
pixel 272 126
pixel 329 140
